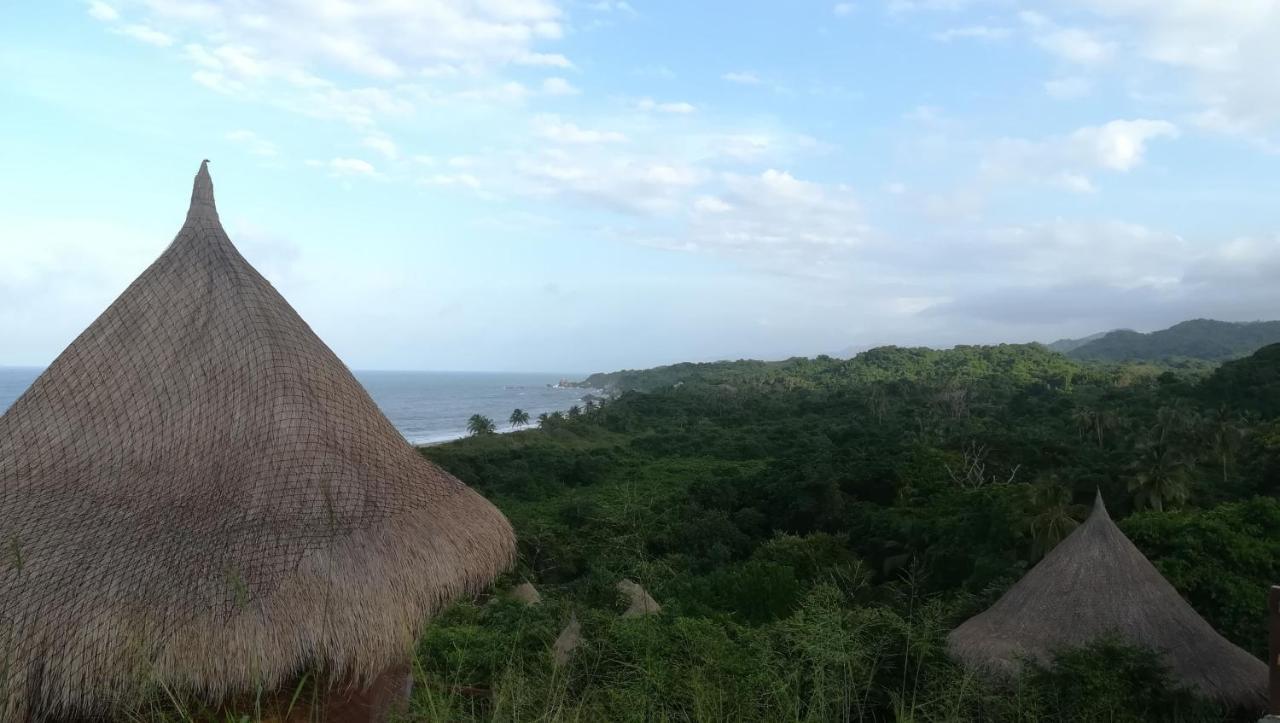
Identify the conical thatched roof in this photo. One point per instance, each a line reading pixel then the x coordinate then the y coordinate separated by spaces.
pixel 1097 583
pixel 198 493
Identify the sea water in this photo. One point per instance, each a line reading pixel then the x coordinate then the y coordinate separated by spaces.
pixel 426 407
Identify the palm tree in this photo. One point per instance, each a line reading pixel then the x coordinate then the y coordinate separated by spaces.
pixel 1084 420
pixel 543 420
pixel 519 418
pixel 1226 435
pixel 480 424
pixel 1161 477
pixel 1052 517
pixel 574 411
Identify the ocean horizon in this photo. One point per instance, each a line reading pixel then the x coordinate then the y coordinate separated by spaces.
pixel 427 407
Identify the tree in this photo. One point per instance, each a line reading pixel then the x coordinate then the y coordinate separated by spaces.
pixel 543 420
pixel 1226 434
pixel 1160 478
pixel 519 418
pixel 479 424
pixel 1051 516
pixel 574 411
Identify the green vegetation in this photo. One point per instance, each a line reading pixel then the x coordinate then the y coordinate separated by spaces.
pixel 479 424
pixel 1202 339
pixel 813 528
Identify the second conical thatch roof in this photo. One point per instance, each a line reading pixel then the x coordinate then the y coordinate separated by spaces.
pixel 197 493
pixel 1096 583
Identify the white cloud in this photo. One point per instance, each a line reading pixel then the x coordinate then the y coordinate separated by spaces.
pixel 1066 161
pixel 779 217
pixel 843 9
pixel 679 108
pixel 559 86
pixel 1108 272
pixel 547 60
pixel 613 6
pixel 1076 45
pixel 378 39
pixel 381 144
pixel 347 167
pixel 742 77
pixel 253 142
pixel 974 32
pixel 619 182
pixel 558 131
pixel 464 180
pixel 148 35
pixel 361 63
pixel 1121 144
pixel 1068 88
pixel 1225 53
pixel 102 11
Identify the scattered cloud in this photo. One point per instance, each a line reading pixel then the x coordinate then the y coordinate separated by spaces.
pixel 742 77
pixel 148 35
pixel 556 130
pixel 349 167
pixel 974 32
pixel 559 86
pixel 382 145
pixel 1068 88
pixel 102 11
pixel 776 216
pixel 255 144
pixel 1076 45
pixel 680 108
pixel 546 60
pixel 1067 161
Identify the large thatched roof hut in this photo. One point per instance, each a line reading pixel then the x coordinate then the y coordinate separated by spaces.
pixel 198 494
pixel 1096 583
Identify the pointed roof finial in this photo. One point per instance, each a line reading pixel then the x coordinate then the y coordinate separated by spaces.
pixel 1098 505
pixel 202 193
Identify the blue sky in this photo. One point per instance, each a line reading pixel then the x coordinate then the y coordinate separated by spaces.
pixel 590 185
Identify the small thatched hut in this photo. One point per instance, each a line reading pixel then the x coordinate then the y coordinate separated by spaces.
pixel 198 496
pixel 1096 583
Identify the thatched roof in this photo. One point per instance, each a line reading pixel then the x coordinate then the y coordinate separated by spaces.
pixel 199 493
pixel 1097 583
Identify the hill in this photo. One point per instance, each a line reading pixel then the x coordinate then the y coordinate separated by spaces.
pixel 883 364
pixel 1203 339
pixel 1062 346
pixel 813 528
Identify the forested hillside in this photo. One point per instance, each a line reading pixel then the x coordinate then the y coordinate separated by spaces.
pixel 1203 339
pixel 813 528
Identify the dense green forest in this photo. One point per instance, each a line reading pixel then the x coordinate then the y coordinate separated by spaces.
pixel 1203 339
pixel 813 529
pixel 1190 344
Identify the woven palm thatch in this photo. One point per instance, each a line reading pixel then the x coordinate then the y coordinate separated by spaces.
pixel 1094 584
pixel 198 493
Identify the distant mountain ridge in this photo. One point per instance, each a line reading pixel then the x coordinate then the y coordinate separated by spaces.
pixel 1062 346
pixel 1204 339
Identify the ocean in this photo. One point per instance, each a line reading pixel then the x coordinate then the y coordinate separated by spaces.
pixel 426 407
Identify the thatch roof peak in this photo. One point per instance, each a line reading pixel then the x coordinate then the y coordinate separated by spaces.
pixel 1097 584
pixel 202 205
pixel 202 495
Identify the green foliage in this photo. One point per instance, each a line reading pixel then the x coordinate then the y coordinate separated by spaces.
pixel 813 528
pixel 1200 339
pixel 480 424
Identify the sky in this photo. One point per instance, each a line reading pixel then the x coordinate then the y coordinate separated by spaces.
pixel 587 185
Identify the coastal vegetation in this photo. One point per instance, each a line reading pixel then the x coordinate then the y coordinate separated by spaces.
pixel 814 528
